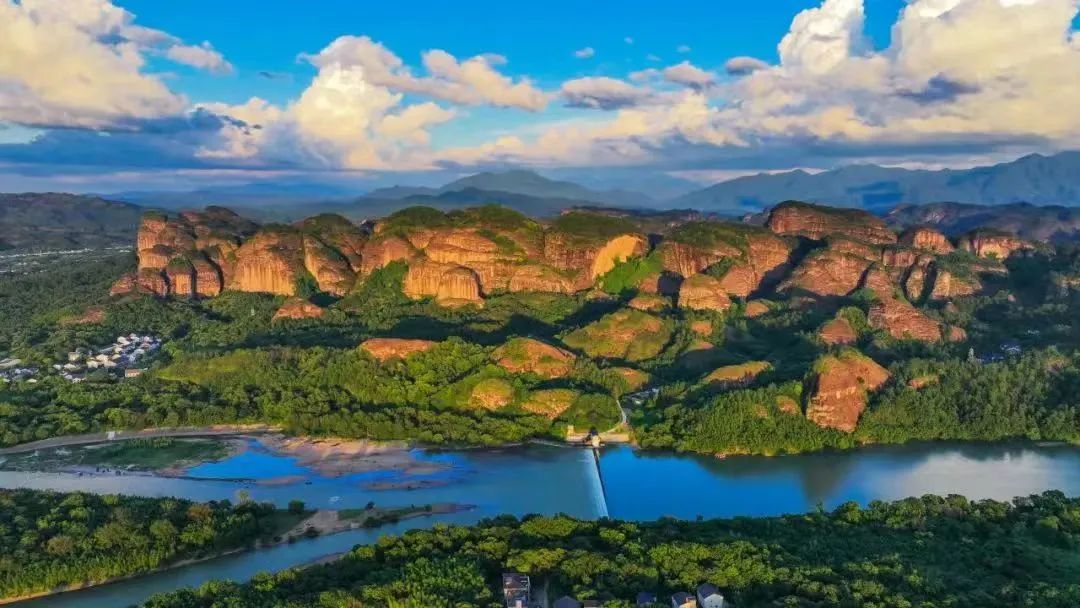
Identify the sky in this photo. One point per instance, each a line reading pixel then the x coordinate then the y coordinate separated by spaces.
pixel 103 96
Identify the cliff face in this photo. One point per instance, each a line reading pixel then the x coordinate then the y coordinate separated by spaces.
pixel 837 331
pixel 838 389
pixel 903 321
pixel 270 262
pixel 817 222
pixel 591 259
pixel 984 243
pixel 449 284
pixel 826 272
pixel 703 292
pixel 927 238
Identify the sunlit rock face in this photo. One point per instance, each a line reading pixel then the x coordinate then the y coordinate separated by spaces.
pixel 838 389
pixel 817 222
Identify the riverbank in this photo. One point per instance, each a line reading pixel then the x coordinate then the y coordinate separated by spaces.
pixel 322 522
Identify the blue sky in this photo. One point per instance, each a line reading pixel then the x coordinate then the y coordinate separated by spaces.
pixel 162 94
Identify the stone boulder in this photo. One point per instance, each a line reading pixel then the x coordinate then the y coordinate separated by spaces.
pixel 384 349
pixel 298 308
pixel 838 389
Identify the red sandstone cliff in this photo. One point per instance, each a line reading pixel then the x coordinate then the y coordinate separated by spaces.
pixel 839 386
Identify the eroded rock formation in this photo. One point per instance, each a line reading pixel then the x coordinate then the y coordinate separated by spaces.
pixel 838 389
pixel 927 238
pixel 818 222
pixel 703 292
pixel 526 355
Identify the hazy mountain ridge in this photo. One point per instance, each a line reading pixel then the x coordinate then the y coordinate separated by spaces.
pixel 44 221
pixel 1037 179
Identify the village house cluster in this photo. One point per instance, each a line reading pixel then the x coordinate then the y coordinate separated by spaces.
pixel 517 592
pixel 13 370
pixel 122 356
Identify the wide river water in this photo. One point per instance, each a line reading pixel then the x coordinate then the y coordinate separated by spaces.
pixel 622 483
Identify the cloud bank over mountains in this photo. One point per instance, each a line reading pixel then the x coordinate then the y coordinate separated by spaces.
pixel 969 80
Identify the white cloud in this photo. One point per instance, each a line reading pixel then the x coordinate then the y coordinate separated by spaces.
pixel 628 40
pixel 79 63
pixel 602 93
pixel 689 75
pixel 474 81
pixel 683 48
pixel 201 56
pixel 741 66
pixel 821 38
pixel 584 53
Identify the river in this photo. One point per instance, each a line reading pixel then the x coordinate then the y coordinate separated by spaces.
pixel 627 484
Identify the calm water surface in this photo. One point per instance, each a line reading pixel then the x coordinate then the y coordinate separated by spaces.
pixel 629 484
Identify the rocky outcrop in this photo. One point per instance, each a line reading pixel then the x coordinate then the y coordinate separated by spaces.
pixel 634 378
pixel 752 257
pixel 648 302
pixel 947 285
pixel 208 281
pixel 826 272
pixel 535 277
pixel 272 261
pixel 549 403
pixel 837 331
pixel 449 284
pixel 730 376
pixel 181 277
pixel 525 355
pixel 926 238
pixel 903 321
pixel 343 236
pixel 626 334
pixel 384 349
pixel 328 267
pixel 491 394
pixel 756 308
pixel 838 389
pixel 915 284
pixel 591 259
pixel 383 250
pixel 988 243
pixel 703 292
pixel 817 222
pixel 298 308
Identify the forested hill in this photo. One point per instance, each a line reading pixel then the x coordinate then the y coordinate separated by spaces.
pixel 921 552
pixel 49 221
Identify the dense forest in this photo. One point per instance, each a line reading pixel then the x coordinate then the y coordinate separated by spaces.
pixel 50 540
pixel 919 552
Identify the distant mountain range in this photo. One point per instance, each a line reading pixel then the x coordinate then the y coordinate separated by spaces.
pixel 1054 224
pixel 1037 179
pixel 525 183
pixel 50 221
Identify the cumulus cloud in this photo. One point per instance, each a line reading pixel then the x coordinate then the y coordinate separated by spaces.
pixel 689 75
pixel 80 63
pixel 584 53
pixel 959 77
pixel 741 66
pixel 202 56
pixel 602 93
pixel 473 81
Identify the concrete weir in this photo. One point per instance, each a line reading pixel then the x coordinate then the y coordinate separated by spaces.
pixel 596 481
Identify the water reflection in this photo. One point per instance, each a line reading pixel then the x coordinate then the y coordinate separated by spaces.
pixel 647 485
